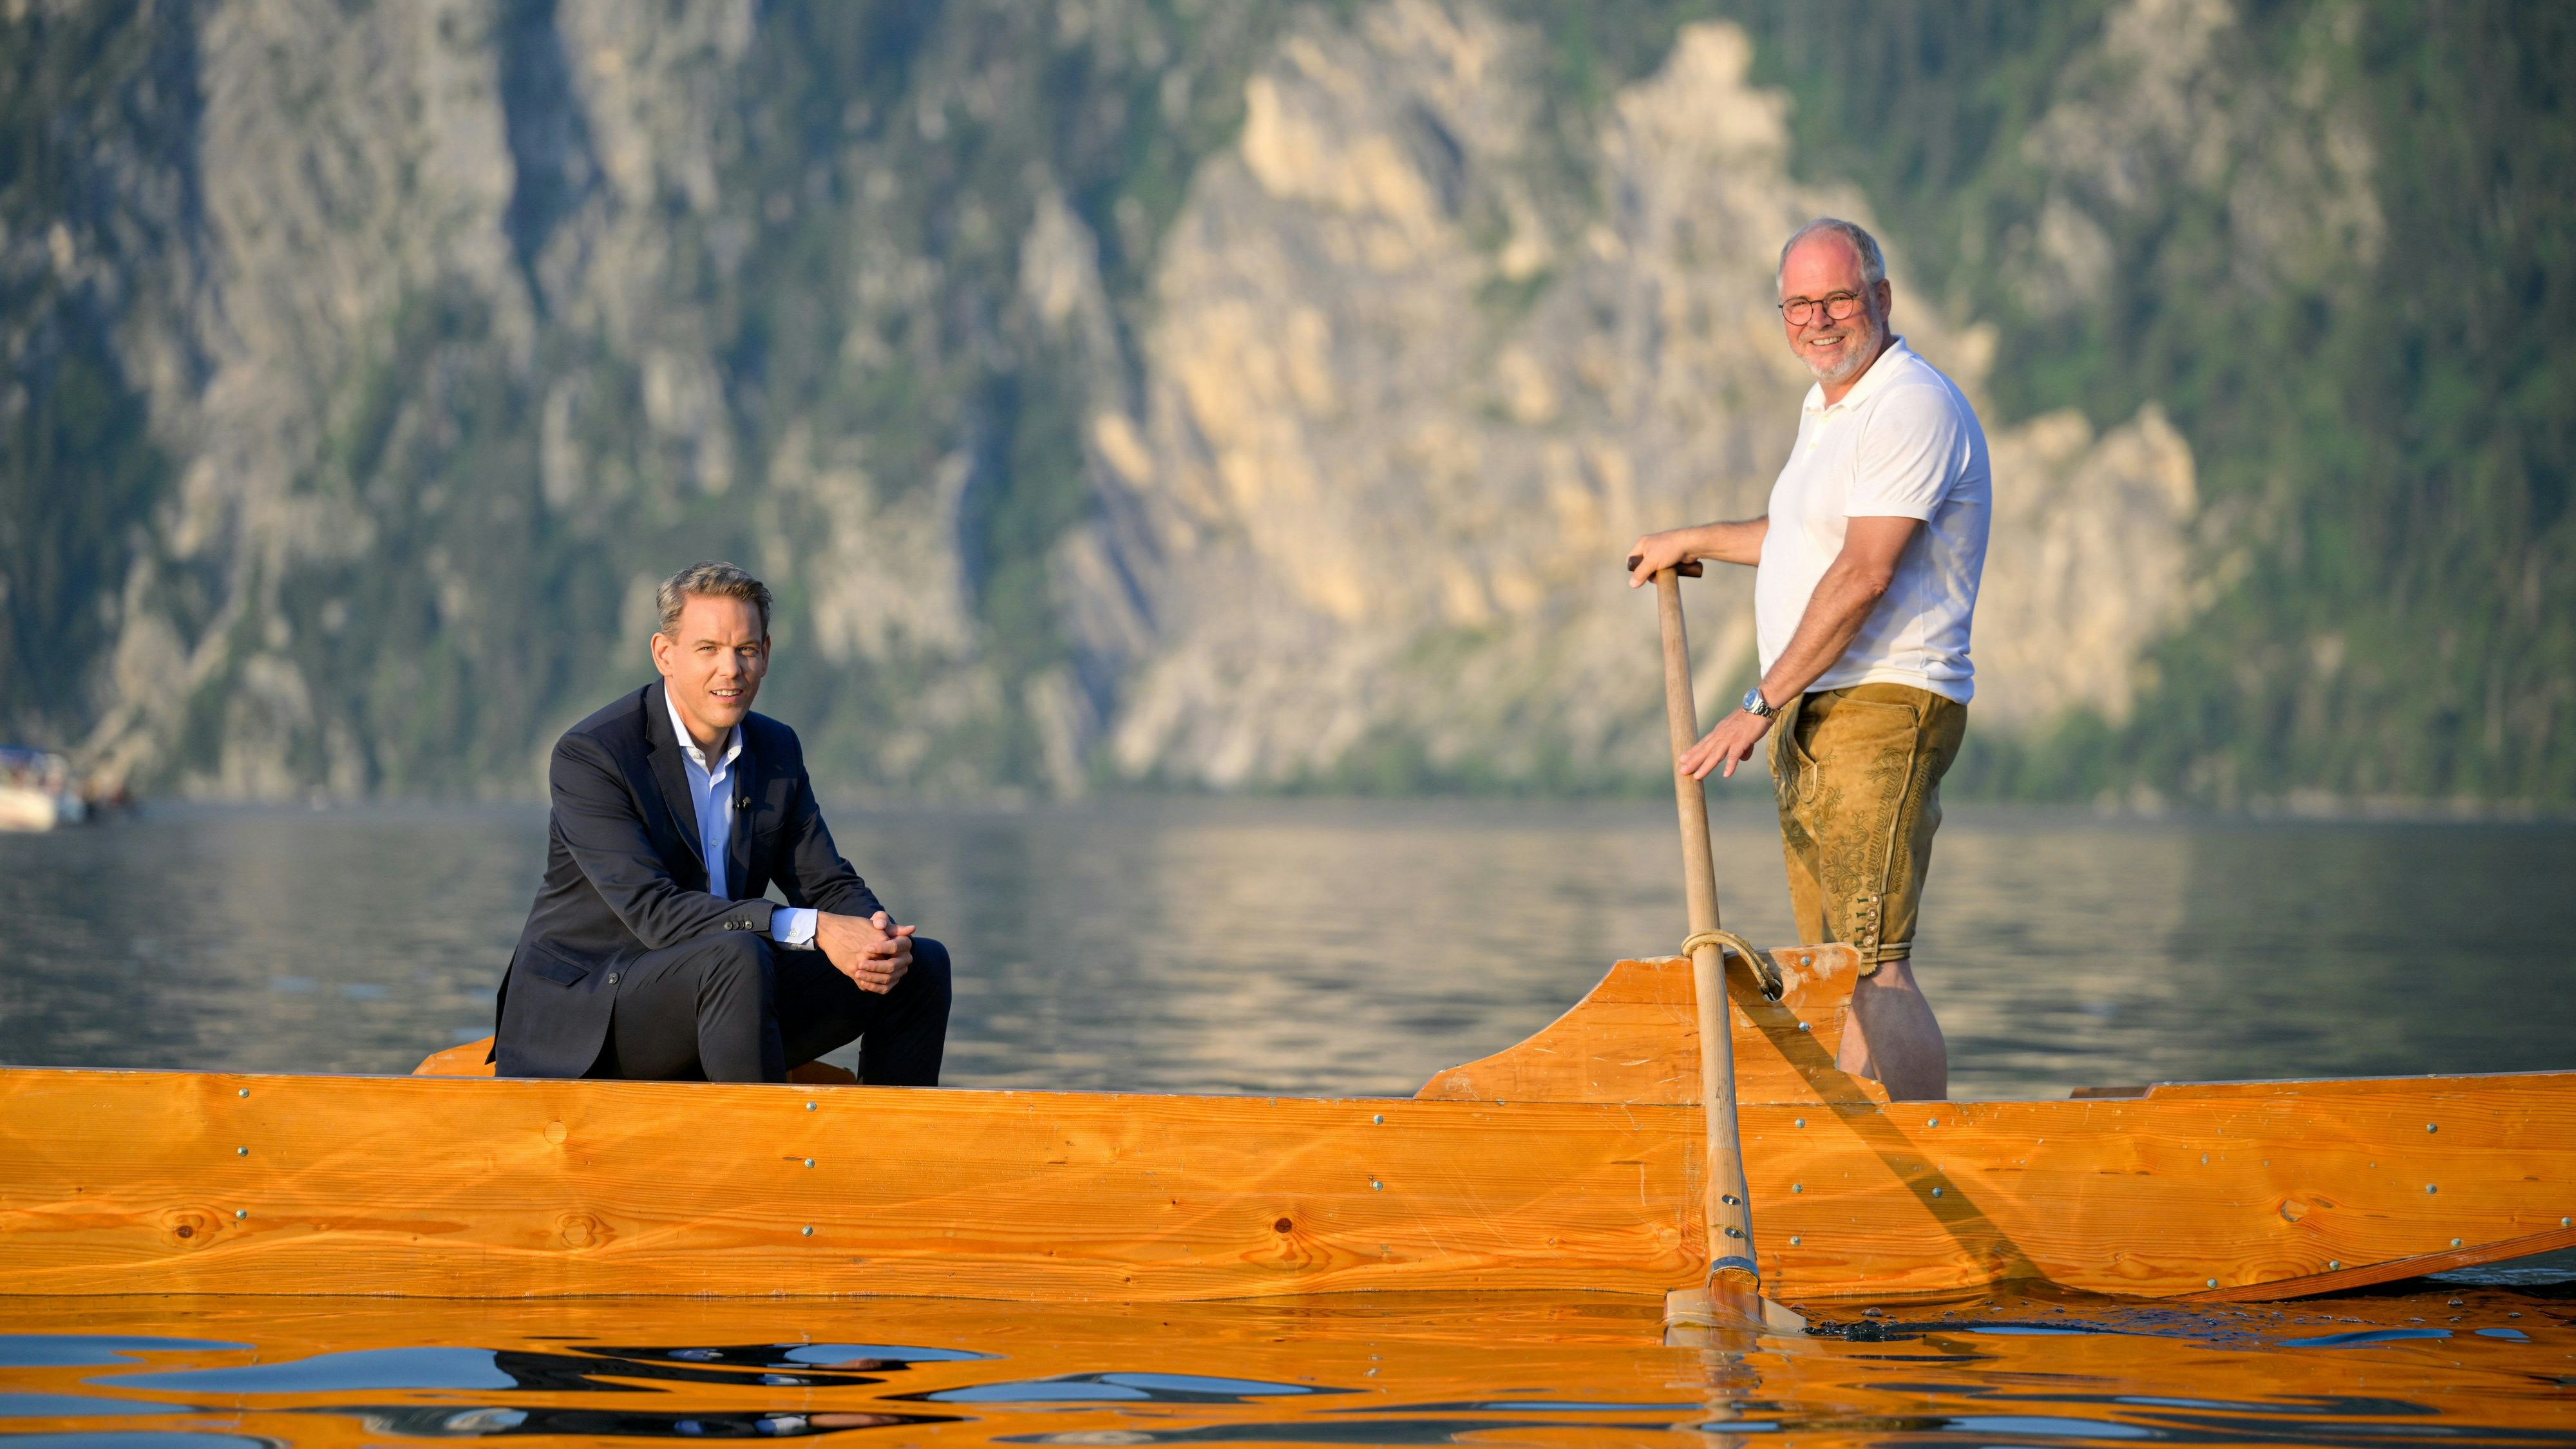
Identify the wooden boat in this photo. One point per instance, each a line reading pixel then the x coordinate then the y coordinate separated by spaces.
pixel 1573 1161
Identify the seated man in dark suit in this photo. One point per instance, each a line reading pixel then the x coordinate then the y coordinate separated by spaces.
pixel 651 954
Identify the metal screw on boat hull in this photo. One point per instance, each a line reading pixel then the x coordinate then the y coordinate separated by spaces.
pixel 809 1162
pixel 241 1152
pixel 809 1106
pixel 2335 1264
pixel 2213 1282
pixel 1379 1119
pixel 240 1213
pixel 1793 1242
pixel 809 1230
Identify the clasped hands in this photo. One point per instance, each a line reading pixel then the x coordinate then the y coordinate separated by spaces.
pixel 872 951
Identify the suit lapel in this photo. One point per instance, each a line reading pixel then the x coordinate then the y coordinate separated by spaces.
pixel 669 770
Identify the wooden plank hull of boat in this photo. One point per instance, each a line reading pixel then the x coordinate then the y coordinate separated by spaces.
pixel 2256 1189
pixel 177 1182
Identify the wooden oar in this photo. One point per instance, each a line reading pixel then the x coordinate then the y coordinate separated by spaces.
pixel 1732 1295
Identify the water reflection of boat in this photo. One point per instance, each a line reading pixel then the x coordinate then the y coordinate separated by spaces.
pixel 1355 1369
pixel 1570 1161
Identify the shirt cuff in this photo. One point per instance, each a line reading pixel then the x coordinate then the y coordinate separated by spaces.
pixel 793 926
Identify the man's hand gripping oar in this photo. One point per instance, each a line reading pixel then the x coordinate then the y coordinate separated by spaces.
pixel 1731 1297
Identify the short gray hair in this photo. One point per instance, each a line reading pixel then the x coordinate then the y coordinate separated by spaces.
pixel 709 579
pixel 1873 264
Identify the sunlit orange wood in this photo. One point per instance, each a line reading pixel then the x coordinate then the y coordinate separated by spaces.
pixel 189 1182
pixel 473 1059
pixel 155 1182
pixel 2257 1189
pixel 1635 1038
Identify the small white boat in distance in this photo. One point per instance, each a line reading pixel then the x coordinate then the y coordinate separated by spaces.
pixel 37 790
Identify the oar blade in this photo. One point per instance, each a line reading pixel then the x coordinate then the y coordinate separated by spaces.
pixel 1690 1313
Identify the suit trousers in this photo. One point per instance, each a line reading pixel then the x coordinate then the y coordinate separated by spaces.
pixel 732 1007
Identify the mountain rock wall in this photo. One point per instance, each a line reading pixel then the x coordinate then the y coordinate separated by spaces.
pixel 1402 416
pixel 1260 398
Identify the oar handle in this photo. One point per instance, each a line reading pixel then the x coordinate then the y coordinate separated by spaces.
pixel 1690 570
pixel 1681 723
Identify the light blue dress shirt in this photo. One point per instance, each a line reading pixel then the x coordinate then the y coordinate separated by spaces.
pixel 711 791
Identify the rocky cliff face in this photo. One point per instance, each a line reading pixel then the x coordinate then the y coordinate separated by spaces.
pixel 1405 407
pixel 1237 400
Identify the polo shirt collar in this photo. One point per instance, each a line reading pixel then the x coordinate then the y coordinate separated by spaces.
pixel 1880 371
pixel 680 728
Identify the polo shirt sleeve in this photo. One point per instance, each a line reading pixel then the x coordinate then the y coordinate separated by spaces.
pixel 1913 447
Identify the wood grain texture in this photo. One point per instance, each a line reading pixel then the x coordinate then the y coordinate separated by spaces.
pixel 1635 1038
pixel 191 1182
pixel 2265 1189
pixel 1572 1161
pixel 131 1182
pixel 2397 1268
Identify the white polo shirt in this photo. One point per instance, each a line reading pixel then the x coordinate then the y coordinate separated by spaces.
pixel 1902 443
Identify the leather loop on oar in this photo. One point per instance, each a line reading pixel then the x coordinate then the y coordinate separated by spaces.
pixel 1765 974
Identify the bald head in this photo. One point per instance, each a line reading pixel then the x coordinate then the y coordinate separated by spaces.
pixel 1835 234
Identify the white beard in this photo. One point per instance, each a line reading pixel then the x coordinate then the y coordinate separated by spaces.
pixel 1871 335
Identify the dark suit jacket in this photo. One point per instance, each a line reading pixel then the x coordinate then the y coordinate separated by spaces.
pixel 623 875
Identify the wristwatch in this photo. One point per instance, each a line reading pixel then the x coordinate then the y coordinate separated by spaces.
pixel 1755 704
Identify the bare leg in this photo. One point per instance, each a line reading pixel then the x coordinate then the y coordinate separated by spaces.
pixel 1893 1037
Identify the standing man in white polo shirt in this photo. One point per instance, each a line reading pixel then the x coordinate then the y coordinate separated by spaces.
pixel 1867 570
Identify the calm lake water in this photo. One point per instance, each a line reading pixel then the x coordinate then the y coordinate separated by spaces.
pixel 2466 1366
pixel 1340 947
pixel 1309 947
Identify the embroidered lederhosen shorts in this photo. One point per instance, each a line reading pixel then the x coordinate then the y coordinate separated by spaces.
pixel 1858 772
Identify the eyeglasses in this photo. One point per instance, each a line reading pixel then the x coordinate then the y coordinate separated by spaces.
pixel 1839 306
